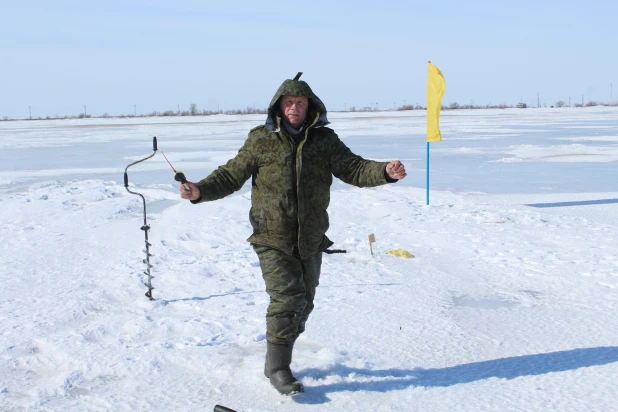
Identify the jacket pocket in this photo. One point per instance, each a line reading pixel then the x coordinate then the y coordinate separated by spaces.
pixel 273 215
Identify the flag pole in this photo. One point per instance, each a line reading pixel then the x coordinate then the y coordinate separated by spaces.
pixel 435 91
pixel 427 173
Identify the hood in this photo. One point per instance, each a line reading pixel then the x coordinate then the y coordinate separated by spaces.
pixel 295 87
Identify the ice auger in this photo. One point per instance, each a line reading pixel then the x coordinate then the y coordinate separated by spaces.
pixel 145 228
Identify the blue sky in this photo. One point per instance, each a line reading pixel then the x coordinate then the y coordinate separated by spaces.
pixel 57 56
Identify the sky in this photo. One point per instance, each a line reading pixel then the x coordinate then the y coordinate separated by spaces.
pixel 125 57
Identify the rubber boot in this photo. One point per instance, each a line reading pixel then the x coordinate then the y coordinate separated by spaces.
pixel 277 369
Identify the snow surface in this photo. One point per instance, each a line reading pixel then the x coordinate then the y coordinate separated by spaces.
pixel 509 303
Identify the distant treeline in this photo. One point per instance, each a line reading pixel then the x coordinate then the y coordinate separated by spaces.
pixel 193 110
pixel 457 106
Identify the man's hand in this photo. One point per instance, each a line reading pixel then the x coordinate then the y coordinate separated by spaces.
pixel 396 170
pixel 192 194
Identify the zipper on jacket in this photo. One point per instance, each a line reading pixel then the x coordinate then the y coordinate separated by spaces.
pixel 295 187
pixel 295 173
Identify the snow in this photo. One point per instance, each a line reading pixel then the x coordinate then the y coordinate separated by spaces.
pixel 508 304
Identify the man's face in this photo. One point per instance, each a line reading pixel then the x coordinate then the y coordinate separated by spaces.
pixel 294 109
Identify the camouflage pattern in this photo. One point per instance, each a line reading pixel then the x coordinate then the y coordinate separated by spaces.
pixel 291 283
pixel 291 182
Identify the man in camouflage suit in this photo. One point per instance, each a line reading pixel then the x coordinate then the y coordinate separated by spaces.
pixel 291 160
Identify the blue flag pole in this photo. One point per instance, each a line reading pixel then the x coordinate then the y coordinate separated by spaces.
pixel 427 173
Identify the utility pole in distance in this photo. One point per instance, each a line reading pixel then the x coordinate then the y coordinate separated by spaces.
pixel 85 111
pixel 30 109
pixel 135 110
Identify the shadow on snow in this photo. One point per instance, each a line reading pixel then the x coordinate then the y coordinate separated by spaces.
pixel 239 292
pixel 576 203
pixel 199 298
pixel 398 379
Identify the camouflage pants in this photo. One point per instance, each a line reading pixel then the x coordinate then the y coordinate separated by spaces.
pixel 290 283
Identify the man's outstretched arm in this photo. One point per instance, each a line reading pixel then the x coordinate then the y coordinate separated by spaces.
pixel 360 172
pixel 225 180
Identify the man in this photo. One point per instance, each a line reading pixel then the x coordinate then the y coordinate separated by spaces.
pixel 291 160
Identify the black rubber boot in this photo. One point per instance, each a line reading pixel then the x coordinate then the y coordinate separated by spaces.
pixel 277 369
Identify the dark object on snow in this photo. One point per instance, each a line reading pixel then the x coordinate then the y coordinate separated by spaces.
pixel 219 408
pixel 145 228
pixel 331 251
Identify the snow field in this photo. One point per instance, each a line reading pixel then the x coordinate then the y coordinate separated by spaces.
pixel 508 305
pixel 498 305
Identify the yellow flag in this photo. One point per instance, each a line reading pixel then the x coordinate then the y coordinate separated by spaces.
pixel 435 91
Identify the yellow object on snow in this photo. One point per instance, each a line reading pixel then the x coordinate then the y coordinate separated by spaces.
pixel 400 253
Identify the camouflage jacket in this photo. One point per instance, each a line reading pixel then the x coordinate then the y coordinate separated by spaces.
pixel 290 186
